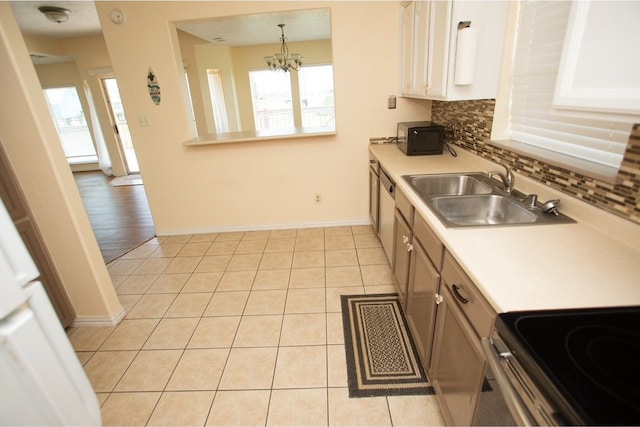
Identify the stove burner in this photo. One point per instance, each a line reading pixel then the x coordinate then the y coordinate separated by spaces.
pixel 608 356
pixel 586 361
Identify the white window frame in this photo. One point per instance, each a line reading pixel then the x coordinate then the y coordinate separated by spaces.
pixel 501 131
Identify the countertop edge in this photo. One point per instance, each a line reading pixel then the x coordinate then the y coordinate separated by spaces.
pixel 519 268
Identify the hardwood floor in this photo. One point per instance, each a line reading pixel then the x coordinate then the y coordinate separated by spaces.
pixel 120 216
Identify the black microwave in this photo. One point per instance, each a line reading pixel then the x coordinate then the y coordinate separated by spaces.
pixel 420 138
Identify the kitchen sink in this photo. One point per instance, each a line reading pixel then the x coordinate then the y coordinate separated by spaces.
pixel 448 184
pixel 474 199
pixel 482 210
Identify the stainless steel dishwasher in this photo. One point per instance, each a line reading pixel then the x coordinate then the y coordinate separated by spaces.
pixel 386 213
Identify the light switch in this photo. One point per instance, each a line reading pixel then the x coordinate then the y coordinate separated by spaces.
pixel 143 120
pixel 391 102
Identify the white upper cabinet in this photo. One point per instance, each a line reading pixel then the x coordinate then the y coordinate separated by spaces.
pixel 432 36
pixel 600 66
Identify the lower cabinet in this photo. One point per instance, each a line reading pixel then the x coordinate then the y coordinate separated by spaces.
pixel 446 313
pixel 402 244
pixel 423 287
pixel 457 367
pixel 401 255
pixel 424 281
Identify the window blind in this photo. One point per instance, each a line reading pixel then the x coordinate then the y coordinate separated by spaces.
pixel 540 37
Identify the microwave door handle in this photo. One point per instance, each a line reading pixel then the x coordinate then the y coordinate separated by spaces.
pixel 516 407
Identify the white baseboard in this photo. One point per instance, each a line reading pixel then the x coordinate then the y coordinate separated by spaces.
pixel 100 320
pixel 228 229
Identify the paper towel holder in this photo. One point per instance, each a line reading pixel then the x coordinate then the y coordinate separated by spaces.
pixel 466 51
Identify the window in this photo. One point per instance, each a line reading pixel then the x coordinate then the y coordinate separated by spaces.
pixel 533 120
pixel 272 100
pixel 71 123
pixel 316 95
pixel 217 100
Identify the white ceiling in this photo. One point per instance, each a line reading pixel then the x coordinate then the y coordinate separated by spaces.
pixel 303 25
pixel 83 20
pixel 237 30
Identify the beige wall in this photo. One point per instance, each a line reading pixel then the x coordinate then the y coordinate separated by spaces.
pixel 216 57
pixel 257 184
pixel 188 45
pixel 28 135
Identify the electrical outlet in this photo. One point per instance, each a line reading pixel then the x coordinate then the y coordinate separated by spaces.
pixel 143 120
pixel 318 199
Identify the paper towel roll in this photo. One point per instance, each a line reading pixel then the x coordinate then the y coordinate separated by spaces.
pixel 466 49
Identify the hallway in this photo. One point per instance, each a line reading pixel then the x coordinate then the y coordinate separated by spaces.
pixel 120 216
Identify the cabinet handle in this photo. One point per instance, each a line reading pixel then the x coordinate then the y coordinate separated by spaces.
pixel 409 247
pixel 438 298
pixel 456 292
pixel 405 239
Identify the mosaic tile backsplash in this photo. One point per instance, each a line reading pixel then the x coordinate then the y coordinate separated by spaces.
pixel 472 121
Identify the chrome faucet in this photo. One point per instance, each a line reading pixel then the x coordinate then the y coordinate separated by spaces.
pixel 508 180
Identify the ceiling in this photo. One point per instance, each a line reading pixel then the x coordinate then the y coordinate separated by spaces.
pixel 237 30
pixel 254 29
pixel 300 25
pixel 83 20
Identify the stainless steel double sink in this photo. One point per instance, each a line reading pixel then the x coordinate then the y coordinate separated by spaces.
pixel 476 200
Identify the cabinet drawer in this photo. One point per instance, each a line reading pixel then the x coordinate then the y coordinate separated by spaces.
pixel 467 297
pixel 404 206
pixel 429 241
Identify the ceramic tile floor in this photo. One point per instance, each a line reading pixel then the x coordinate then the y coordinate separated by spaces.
pixel 240 328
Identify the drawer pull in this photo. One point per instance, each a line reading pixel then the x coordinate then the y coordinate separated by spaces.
pixel 456 292
pixel 409 247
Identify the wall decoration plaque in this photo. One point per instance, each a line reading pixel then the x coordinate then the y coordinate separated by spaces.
pixel 153 86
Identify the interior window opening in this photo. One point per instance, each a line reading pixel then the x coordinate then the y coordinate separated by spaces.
pixel 71 123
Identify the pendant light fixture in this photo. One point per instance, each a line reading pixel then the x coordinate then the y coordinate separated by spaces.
pixel 282 61
pixel 55 14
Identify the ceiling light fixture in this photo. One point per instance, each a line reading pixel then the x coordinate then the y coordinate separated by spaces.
pixel 55 14
pixel 282 61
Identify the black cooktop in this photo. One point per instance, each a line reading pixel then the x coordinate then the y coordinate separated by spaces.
pixel 587 361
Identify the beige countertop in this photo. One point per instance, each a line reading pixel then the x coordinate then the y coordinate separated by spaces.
pixel 257 136
pixel 593 263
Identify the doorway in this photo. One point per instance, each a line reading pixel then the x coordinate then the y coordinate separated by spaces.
pixel 116 111
pixel 71 123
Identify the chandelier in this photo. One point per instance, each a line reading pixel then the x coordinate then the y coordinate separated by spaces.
pixel 282 61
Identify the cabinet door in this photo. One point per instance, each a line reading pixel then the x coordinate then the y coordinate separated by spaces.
pixel 439 46
pixel 374 194
pixel 457 367
pixel 401 257
pixel 422 36
pixel 424 280
pixel 406 61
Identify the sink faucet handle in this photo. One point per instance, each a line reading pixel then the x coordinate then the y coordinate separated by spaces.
pixel 507 178
pixel 508 171
pixel 531 200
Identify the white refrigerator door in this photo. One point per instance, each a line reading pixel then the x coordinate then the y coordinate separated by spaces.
pixel 17 265
pixel 41 379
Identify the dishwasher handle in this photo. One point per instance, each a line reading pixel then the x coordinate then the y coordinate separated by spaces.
pixel 516 407
pixel 387 183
